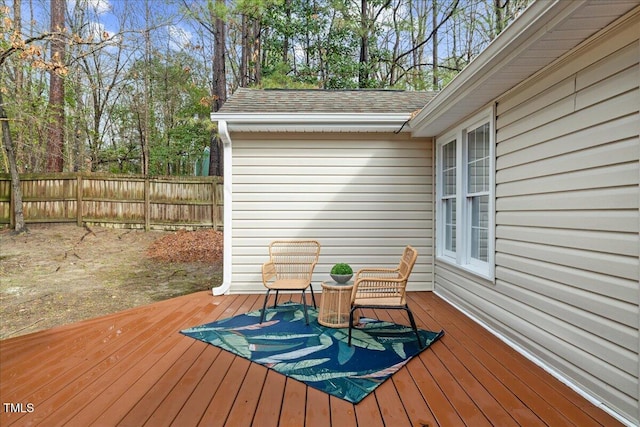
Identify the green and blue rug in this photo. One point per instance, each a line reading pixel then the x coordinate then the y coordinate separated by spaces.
pixel 316 355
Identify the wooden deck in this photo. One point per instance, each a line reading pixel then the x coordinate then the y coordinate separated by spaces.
pixel 133 368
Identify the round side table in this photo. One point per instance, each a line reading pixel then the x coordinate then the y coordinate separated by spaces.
pixel 335 304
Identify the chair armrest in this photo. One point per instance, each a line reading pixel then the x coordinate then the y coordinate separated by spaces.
pixel 377 281
pixel 377 286
pixel 382 273
pixel 268 271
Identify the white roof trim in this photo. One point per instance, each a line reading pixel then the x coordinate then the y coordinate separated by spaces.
pixel 312 122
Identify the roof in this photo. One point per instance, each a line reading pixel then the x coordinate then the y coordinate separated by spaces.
pixel 325 101
pixel 543 34
pixel 315 110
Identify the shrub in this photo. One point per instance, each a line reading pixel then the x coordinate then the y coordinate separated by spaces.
pixel 341 268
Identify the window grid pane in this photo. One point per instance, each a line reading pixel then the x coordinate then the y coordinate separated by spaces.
pixel 450 224
pixel 449 192
pixel 478 160
pixel 480 228
pixel 449 169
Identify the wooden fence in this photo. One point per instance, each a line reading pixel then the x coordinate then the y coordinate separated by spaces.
pixel 117 200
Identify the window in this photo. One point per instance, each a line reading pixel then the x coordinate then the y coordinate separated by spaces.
pixel 464 185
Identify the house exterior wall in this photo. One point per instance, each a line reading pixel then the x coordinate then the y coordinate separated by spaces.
pixel 567 196
pixel 363 196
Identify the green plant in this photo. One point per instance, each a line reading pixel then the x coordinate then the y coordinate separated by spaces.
pixel 341 268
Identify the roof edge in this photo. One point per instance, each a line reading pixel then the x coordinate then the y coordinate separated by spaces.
pixel 313 122
pixel 539 18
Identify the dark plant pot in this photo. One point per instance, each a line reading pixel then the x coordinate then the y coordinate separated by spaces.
pixel 341 278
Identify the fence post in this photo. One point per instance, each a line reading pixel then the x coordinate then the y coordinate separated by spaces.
pixel 214 210
pixel 147 205
pixel 12 216
pixel 79 191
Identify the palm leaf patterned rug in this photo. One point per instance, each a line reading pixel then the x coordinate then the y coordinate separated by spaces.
pixel 316 355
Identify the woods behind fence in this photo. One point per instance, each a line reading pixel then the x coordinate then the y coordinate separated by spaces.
pixel 123 201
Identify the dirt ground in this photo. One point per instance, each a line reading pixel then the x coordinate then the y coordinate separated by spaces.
pixel 61 273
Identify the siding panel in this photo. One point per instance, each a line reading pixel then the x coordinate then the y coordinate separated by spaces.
pixel 612 243
pixel 602 177
pixel 625 127
pixel 612 109
pixel 364 197
pixel 598 262
pixel 597 284
pixel 590 158
pixel 600 199
pixel 621 221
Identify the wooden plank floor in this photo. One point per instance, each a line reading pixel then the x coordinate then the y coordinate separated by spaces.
pixel 134 369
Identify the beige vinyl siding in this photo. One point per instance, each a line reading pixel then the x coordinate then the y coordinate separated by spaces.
pixel 362 196
pixel 567 221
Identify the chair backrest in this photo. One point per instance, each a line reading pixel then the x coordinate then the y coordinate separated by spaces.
pixel 294 259
pixel 407 261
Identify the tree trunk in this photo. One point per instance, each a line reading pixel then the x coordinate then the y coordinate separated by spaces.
pixel 245 49
pixel 498 8
pixel 55 143
pixel 19 73
pixel 285 42
pixel 16 191
pixel 257 48
pixel 363 70
pixel 434 82
pixel 220 88
pixel 146 128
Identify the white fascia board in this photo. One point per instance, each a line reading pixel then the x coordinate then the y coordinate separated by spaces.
pixel 538 19
pixel 313 122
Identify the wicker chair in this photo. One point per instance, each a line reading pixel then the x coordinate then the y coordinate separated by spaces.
pixel 384 288
pixel 290 267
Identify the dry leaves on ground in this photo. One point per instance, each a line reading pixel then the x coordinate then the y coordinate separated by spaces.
pixel 188 246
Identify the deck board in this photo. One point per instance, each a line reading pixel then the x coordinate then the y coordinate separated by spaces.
pixel 134 368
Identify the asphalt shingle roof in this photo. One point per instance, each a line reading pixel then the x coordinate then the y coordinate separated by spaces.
pixel 325 101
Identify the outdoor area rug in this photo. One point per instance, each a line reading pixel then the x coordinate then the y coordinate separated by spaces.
pixel 316 355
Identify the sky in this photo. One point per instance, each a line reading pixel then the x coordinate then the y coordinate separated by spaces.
pixel 107 17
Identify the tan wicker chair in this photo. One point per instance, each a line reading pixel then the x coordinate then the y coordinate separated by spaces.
pixel 384 288
pixel 290 267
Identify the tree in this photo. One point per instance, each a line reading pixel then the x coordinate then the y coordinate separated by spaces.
pixel 212 19
pixel 55 144
pixel 30 57
pixel 8 47
pixel 16 192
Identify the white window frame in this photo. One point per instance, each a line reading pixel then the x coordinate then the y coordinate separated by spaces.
pixel 462 258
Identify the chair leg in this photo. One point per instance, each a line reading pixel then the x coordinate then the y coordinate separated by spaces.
pixel 350 324
pixel 413 325
pixel 313 296
pixel 275 303
pixel 264 306
pixel 304 307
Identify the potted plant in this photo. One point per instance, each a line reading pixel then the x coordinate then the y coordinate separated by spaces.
pixel 341 272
